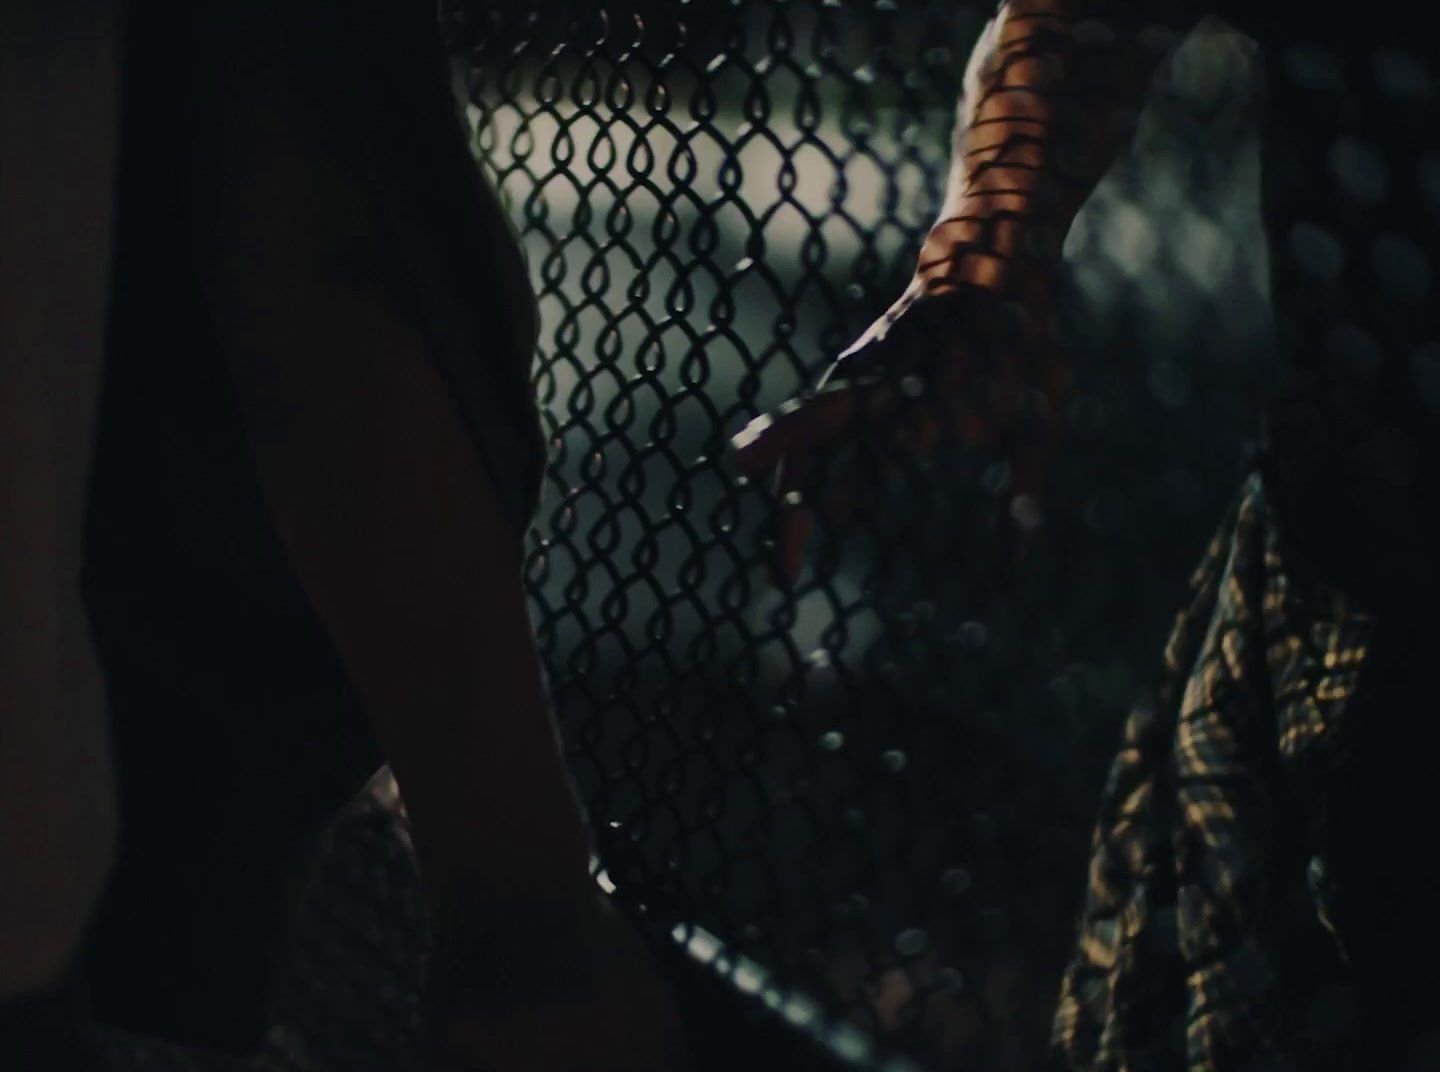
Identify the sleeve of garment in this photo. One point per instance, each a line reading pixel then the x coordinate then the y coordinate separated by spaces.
pixel 1122 996
pixel 1172 967
pixel 1225 776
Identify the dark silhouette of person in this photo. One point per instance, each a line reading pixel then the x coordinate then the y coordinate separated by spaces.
pixel 316 453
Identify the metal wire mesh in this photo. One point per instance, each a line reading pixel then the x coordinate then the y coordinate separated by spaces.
pixel 863 798
pixel 873 784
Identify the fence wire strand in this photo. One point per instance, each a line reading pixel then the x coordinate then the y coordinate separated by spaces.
pixel 867 794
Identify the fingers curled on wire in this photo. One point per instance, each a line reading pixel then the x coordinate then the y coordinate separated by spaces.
pixel 963 365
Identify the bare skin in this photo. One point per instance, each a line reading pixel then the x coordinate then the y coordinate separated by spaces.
pixel 58 115
pixel 392 524
pixel 1047 108
pixel 1042 119
pixel 399 540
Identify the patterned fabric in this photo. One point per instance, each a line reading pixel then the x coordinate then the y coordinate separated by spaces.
pixel 348 996
pixel 1214 808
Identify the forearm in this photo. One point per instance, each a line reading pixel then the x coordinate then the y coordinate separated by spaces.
pixel 383 500
pixel 402 545
pixel 398 537
pixel 1052 95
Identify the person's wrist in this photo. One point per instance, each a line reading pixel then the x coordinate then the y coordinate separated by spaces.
pixel 476 865
pixel 1005 248
pixel 556 888
pixel 1031 280
pixel 510 948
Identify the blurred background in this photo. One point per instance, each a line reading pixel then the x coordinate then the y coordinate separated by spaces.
pixel 869 793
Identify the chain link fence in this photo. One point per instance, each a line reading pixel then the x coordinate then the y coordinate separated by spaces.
pixel 872 788
pixel 862 801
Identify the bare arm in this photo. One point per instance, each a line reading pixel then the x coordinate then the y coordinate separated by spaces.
pixel 398 536
pixel 1052 95
pixel 381 499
